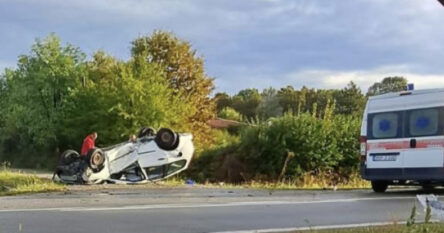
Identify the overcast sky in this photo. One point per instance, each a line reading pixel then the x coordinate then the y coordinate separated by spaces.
pixel 316 43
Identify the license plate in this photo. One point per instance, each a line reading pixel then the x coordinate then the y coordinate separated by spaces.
pixel 384 158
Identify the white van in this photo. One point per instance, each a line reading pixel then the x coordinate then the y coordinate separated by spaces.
pixel 402 139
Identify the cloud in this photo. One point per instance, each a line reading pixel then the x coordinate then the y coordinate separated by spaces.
pixel 258 43
pixel 364 78
pixel 328 79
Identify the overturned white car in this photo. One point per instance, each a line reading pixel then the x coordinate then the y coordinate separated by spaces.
pixel 152 156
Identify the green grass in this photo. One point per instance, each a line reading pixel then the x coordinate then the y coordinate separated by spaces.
pixel 395 228
pixel 306 182
pixel 12 183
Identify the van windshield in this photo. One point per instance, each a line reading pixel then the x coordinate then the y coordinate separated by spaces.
pixel 409 123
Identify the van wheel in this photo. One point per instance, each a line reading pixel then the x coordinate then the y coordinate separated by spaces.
pixel 379 186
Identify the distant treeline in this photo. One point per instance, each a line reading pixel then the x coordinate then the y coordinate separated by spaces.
pixel 250 104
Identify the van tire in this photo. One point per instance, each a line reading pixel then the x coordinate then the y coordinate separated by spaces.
pixel 379 186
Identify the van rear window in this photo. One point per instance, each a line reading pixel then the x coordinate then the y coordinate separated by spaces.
pixel 406 124
pixel 423 122
pixel 385 125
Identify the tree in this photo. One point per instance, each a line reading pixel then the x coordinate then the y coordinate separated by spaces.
pixel 120 97
pixel 222 101
pixel 3 98
pixel 289 99
pixel 185 72
pixel 349 100
pixel 246 102
pixel 38 88
pixel 388 84
pixel 230 114
pixel 36 97
pixel 269 106
pixel 55 97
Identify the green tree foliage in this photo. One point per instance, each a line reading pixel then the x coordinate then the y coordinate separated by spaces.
pixel 3 102
pixel 222 101
pixel 126 95
pixel 37 93
pixel 290 100
pixel 389 84
pixel 246 102
pixel 269 105
pixel 349 100
pixel 55 97
pixel 316 100
pixel 318 144
pixel 184 70
pixel 230 114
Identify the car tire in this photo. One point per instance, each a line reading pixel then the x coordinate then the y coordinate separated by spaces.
pixel 96 159
pixel 146 131
pixel 379 186
pixel 68 157
pixel 167 139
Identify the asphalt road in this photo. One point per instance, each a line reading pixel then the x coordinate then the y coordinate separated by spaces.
pixel 192 209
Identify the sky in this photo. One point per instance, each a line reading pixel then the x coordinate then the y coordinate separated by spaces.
pixel 251 43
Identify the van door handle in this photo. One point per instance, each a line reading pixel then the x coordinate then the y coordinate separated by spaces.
pixel 412 143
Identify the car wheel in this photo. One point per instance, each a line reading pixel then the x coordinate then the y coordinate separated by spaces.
pixel 146 131
pixel 167 139
pixel 68 157
pixel 96 158
pixel 379 186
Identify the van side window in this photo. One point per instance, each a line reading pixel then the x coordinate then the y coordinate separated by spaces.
pixel 423 122
pixel 385 125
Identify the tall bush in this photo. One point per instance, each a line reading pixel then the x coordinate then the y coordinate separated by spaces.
pixel 318 144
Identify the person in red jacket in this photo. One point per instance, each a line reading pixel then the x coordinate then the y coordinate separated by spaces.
pixel 88 143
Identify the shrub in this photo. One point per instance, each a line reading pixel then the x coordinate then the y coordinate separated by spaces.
pixel 210 164
pixel 230 114
pixel 317 144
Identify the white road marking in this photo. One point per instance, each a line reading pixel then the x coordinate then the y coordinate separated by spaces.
pixel 202 205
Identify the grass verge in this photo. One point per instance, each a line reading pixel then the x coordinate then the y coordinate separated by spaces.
pixel 306 182
pixel 395 228
pixel 12 183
